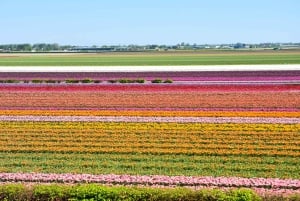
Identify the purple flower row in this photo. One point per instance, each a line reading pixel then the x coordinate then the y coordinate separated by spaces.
pixel 174 82
pixel 268 183
pixel 188 76
pixel 281 120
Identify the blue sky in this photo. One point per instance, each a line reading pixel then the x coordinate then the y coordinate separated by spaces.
pixel 122 22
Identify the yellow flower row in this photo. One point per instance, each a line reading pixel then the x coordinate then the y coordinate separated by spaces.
pixel 155 138
pixel 152 126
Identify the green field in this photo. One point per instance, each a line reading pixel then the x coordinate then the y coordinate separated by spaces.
pixel 152 58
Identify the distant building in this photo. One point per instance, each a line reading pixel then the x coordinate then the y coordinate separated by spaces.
pixel 93 49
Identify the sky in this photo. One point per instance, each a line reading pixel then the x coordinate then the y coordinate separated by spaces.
pixel 141 22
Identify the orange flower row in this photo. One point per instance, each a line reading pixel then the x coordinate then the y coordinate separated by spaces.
pixel 109 100
pixel 151 113
pixel 155 138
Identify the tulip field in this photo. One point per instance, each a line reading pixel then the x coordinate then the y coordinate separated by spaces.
pixel 205 129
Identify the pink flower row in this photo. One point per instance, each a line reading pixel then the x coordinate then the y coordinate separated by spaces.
pixel 235 109
pixel 281 120
pixel 267 183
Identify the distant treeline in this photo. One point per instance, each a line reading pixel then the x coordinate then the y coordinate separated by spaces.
pixel 45 47
pixel 35 47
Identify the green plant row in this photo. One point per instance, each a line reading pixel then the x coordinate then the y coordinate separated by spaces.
pixel 92 192
pixel 147 164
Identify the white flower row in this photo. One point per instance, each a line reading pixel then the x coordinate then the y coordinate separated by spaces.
pixel 149 68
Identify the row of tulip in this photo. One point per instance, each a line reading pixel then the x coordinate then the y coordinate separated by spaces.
pixel 253 120
pixel 26 110
pixel 156 138
pixel 132 128
pixel 269 183
pixel 134 141
pixel 192 87
pixel 151 113
pixel 26 140
pixel 187 75
pixel 185 100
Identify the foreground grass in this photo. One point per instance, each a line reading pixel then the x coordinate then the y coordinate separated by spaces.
pixel 18 192
pixel 152 59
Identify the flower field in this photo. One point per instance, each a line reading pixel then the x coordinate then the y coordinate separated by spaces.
pixel 243 132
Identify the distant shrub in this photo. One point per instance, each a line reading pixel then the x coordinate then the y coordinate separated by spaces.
pixel 112 81
pixel 157 81
pixel 97 81
pixel 72 81
pixel 87 80
pixel 50 81
pixel 37 81
pixel 168 81
pixel 140 81
pixel 10 81
pixel 131 81
pixel 124 81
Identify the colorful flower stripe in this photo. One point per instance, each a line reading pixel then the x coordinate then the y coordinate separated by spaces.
pixel 151 138
pixel 154 180
pixel 111 100
pixel 255 120
pixel 147 127
pixel 153 88
pixel 188 76
pixel 150 113
pixel 243 124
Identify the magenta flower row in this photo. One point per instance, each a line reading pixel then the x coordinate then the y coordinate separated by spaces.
pixel 188 75
pixel 281 120
pixel 268 183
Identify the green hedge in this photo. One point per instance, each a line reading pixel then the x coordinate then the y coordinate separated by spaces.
pixel 93 192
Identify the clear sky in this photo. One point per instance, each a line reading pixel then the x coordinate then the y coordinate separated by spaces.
pixel 122 22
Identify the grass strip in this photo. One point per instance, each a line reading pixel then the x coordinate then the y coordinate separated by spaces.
pixel 18 192
pixel 151 59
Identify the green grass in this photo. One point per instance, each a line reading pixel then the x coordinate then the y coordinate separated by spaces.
pixel 143 59
pixel 92 192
